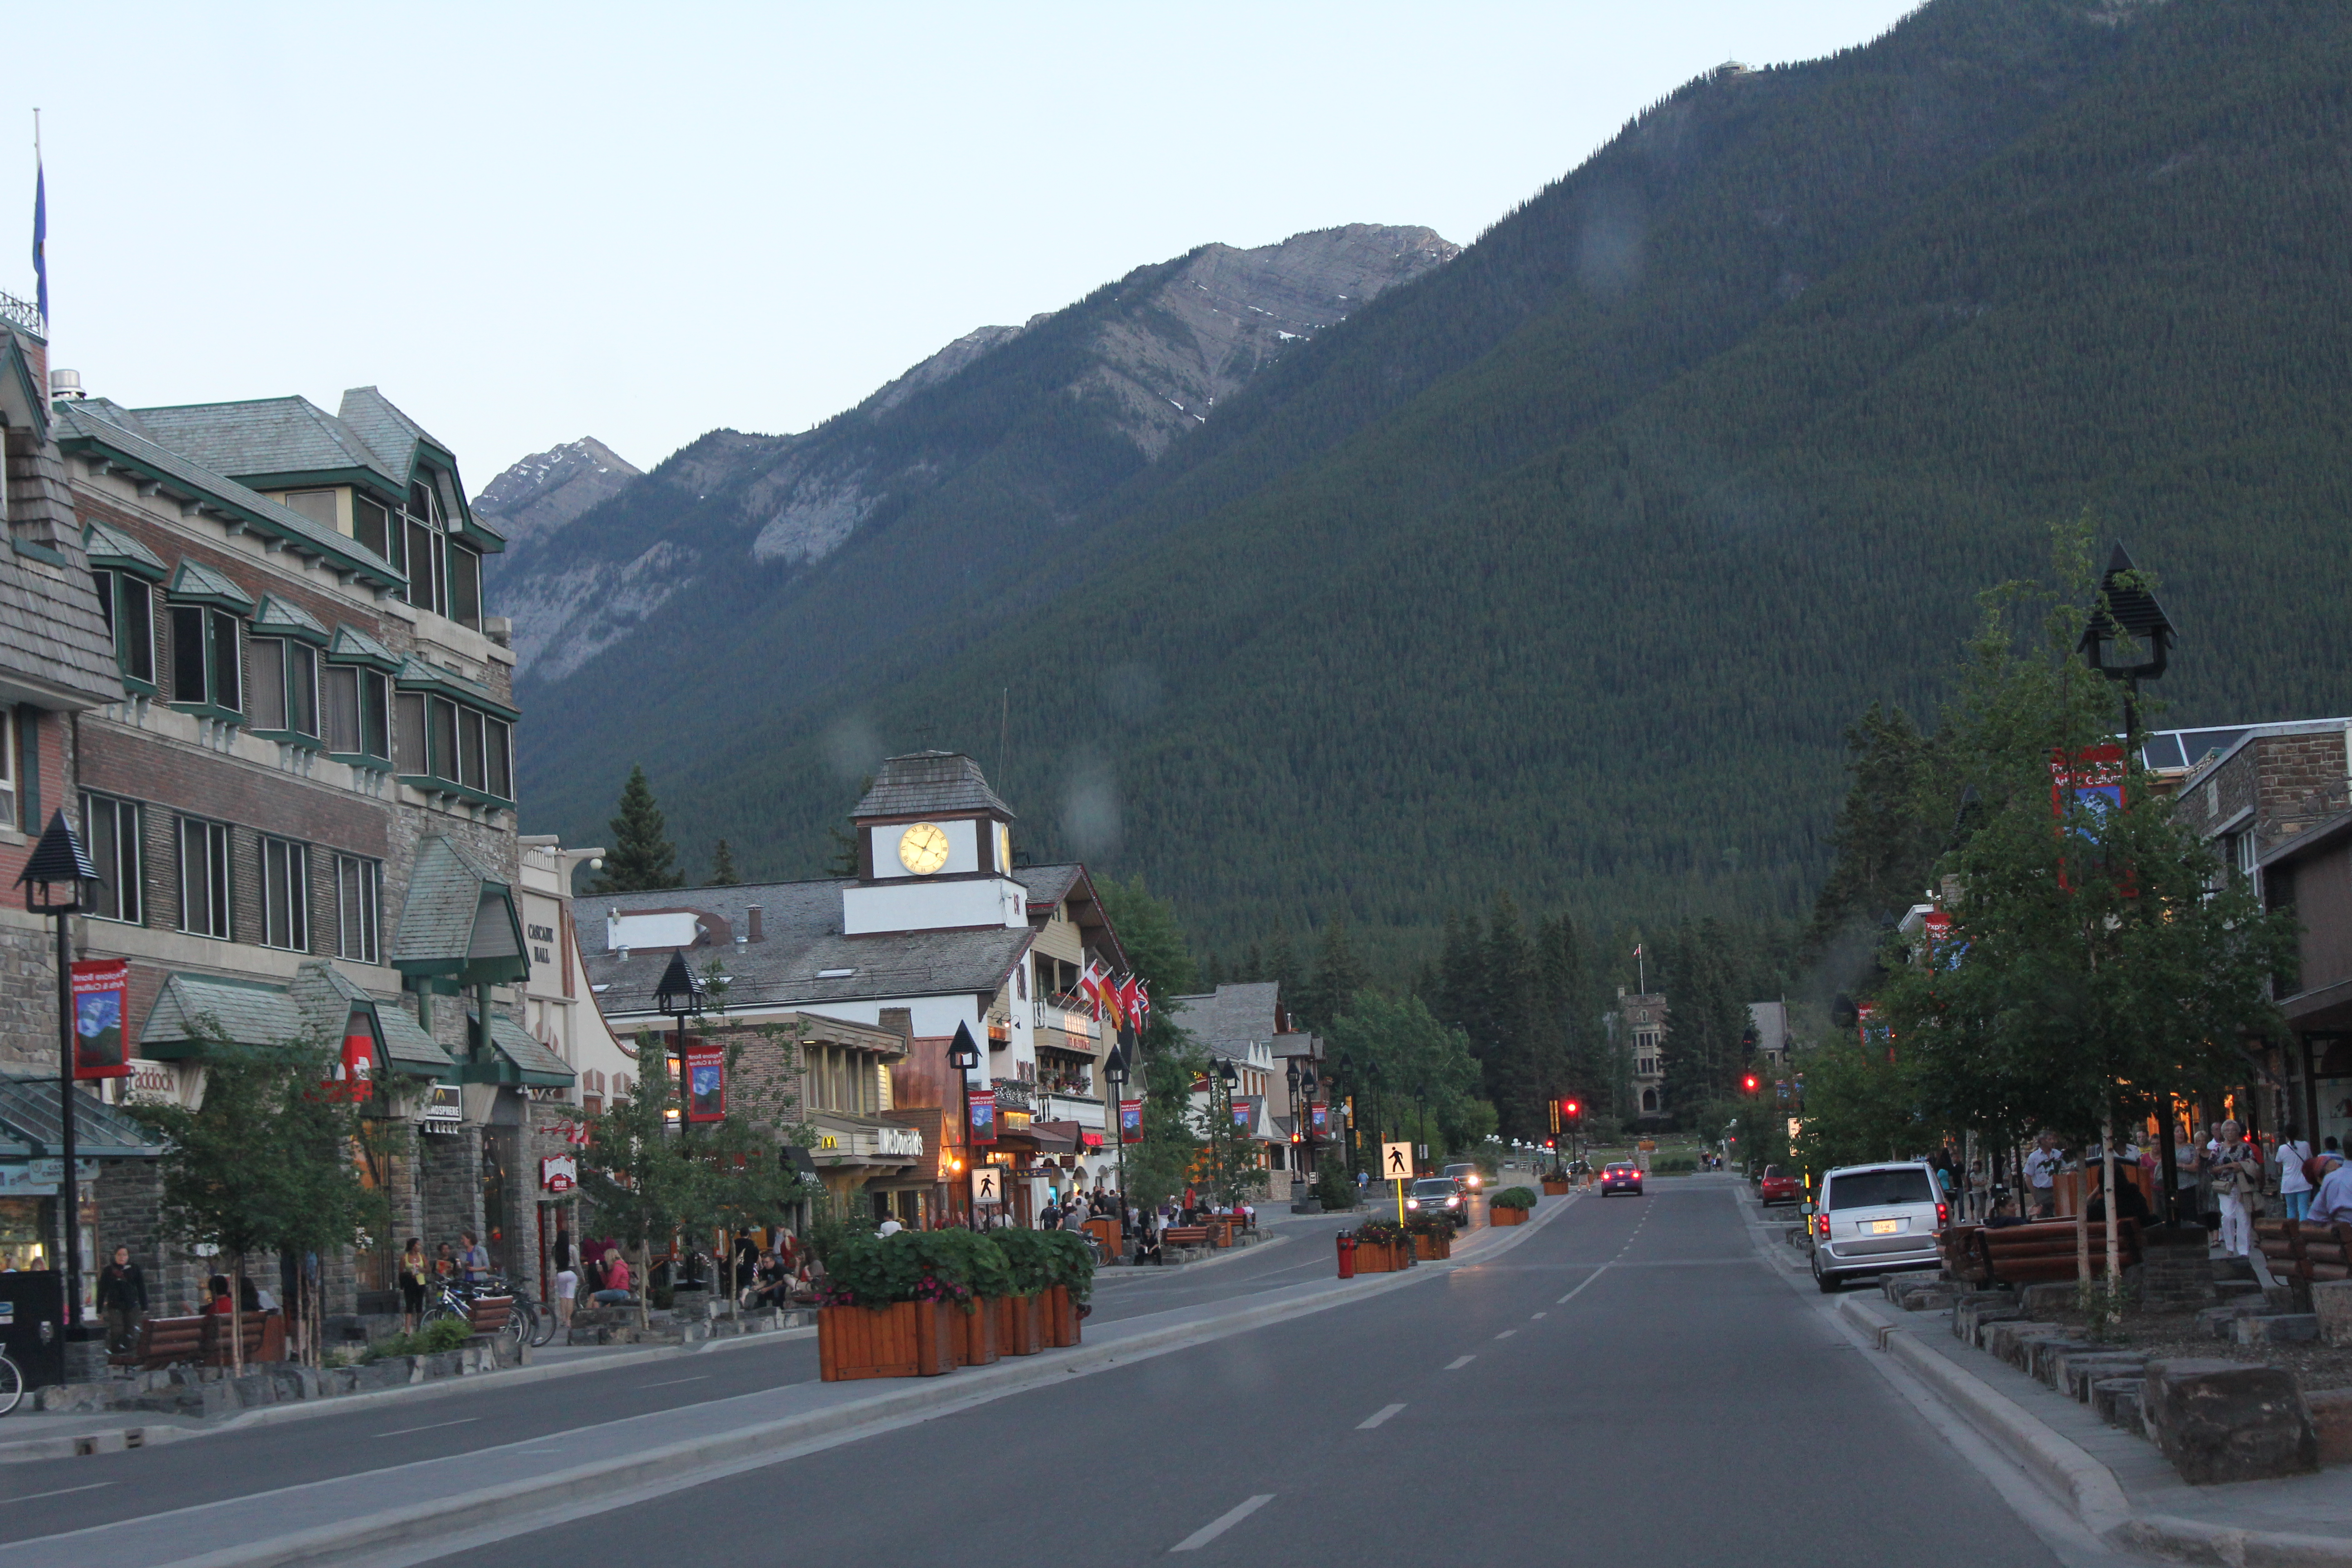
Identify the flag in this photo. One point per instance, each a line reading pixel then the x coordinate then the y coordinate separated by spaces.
pixel 1143 1005
pixel 1637 950
pixel 1130 1000
pixel 1090 986
pixel 1114 998
pixel 41 243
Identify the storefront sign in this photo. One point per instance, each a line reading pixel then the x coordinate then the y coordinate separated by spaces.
pixel 1090 1139
pixel 40 1178
pixel 1130 1121
pixel 354 1077
pixel 97 987
pixel 983 1115
pixel 898 1142
pixel 444 1110
pixel 559 1172
pixel 706 1081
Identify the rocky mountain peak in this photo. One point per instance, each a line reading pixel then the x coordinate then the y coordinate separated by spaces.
pixel 548 490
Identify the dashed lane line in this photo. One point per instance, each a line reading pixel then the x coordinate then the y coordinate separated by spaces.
pixel 1222 1523
pixel 1507 1333
pixel 428 1426
pixel 1458 1363
pixel 1376 1416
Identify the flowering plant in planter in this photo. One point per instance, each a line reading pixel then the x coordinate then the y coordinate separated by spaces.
pixel 1040 1259
pixel 914 1266
pixel 1383 1233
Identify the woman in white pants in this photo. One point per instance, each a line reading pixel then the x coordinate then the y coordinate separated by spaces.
pixel 2237 1177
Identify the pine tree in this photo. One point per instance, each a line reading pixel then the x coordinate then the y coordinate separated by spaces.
pixel 722 866
pixel 1282 963
pixel 1337 977
pixel 640 858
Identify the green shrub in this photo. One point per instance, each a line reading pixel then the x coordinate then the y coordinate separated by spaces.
pixel 1513 1198
pixel 967 1258
pixel 442 1334
pixel 1333 1186
pixel 1383 1233
pixel 1672 1167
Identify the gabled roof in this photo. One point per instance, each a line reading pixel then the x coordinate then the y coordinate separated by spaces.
pixel 417 675
pixel 523 1059
pixel 408 1047
pixel 194 580
pixel 352 645
pixel 926 783
pixel 278 617
pixel 325 999
pixel 265 437
pixel 194 1013
pixel 459 920
pixel 110 547
pixel 1229 1020
pixel 32 1119
pixel 1050 885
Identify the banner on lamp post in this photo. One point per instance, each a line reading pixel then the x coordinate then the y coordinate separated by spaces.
pixel 99 985
pixel 1318 1120
pixel 706 1083
pixel 982 1102
pixel 1130 1121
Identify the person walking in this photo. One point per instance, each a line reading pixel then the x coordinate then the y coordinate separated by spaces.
pixel 2332 1201
pixel 121 1299
pixel 2042 1172
pixel 413 1272
pixel 567 1276
pixel 2237 1177
pixel 2295 1187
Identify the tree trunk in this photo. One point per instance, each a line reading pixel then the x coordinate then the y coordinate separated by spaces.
pixel 2082 1235
pixel 236 1317
pixel 645 1284
pixel 2115 1214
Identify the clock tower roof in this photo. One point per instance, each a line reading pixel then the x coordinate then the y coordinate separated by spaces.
pixel 930 784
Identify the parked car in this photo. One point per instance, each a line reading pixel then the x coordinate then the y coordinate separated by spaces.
pixel 1439 1194
pixel 1776 1186
pixel 1876 1219
pixel 1624 1176
pixel 1468 1175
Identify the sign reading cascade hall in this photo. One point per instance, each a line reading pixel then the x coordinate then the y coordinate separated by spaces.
pixel 97 987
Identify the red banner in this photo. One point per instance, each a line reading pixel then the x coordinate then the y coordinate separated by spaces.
pixel 99 985
pixel 2091 782
pixel 1130 1121
pixel 982 1102
pixel 706 1082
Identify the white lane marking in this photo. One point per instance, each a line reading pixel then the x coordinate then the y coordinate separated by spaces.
pixel 1507 1333
pixel 1573 1295
pixel 673 1383
pixel 1539 1315
pixel 1376 1416
pixel 63 1492
pixel 428 1426
pixel 1222 1523
pixel 1458 1363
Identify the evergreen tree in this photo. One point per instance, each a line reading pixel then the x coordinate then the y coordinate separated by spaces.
pixel 722 866
pixel 640 859
pixel 1337 977
pixel 1253 969
pixel 1282 963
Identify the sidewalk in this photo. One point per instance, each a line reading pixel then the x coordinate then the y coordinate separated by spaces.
pixel 487 1493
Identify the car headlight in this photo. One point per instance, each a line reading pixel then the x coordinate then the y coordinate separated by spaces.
pixel 1412 1203
pixel 1452 1201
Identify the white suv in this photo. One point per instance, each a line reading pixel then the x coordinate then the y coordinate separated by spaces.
pixel 1876 1219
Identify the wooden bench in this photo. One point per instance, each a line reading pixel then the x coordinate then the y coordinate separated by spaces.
pixel 1185 1236
pixel 264 1334
pixel 163 1342
pixel 489 1314
pixel 2025 1253
pixel 2306 1250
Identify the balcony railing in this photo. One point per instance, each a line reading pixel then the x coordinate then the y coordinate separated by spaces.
pixel 1067 1013
pixel 1084 1110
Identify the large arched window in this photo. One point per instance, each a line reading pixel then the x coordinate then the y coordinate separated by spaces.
pixel 1649 1100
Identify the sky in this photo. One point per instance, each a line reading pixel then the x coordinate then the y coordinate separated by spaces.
pixel 530 223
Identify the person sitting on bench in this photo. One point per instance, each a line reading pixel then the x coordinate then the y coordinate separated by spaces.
pixel 2129 1201
pixel 1147 1247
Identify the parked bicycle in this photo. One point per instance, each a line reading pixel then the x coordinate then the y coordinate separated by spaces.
pixel 455 1299
pixel 11 1385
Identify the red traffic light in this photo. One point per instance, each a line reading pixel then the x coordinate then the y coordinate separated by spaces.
pixel 1751 1083
pixel 1570 1109
pixel 1552 1142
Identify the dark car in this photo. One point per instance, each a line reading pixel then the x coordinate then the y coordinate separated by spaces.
pixel 1624 1176
pixel 1776 1186
pixel 1438 1195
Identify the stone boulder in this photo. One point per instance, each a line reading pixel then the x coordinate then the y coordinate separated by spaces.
pixel 2331 1303
pixel 2046 1357
pixel 2079 1370
pixel 2277 1329
pixel 2115 1401
pixel 2225 1421
pixel 2331 1417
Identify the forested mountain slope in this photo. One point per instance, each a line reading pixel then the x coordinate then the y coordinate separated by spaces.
pixel 1563 568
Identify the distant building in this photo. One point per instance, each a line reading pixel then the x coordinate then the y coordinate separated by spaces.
pixel 1643 1019
pixel 1770 1022
pixel 1247 1024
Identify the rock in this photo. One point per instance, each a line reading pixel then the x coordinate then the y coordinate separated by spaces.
pixel 2013 1341
pixel 2115 1401
pixel 2044 1357
pixel 2215 1322
pixel 2331 1303
pixel 1970 1309
pixel 2331 1417
pixel 2277 1329
pixel 2078 1371
pixel 2225 1421
pixel 2049 1298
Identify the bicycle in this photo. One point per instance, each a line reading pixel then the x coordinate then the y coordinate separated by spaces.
pixel 454 1299
pixel 11 1385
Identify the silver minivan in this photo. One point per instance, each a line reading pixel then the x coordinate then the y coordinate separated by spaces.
pixel 1876 1219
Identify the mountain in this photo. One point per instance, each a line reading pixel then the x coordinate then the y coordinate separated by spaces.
pixel 1027 423
pixel 548 490
pixel 1562 568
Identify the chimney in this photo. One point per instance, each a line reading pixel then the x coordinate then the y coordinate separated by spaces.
pixel 900 1020
pixel 65 386
pixel 751 920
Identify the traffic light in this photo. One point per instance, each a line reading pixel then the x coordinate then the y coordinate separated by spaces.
pixel 1552 1142
pixel 1571 1108
pixel 1751 1083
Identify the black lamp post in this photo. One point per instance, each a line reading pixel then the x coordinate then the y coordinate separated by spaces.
pixel 1380 1125
pixel 964 1055
pixel 678 997
pixel 1228 1077
pixel 2128 611
pixel 58 861
pixel 1115 1075
pixel 1298 1126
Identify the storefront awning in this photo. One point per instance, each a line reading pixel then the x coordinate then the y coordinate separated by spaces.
pixel 515 1057
pixel 203 1014
pixel 1048 1138
pixel 31 1125
pixel 459 926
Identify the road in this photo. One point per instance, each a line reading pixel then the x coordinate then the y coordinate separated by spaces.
pixel 1631 1385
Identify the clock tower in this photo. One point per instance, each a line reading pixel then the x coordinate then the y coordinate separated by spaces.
pixel 934 851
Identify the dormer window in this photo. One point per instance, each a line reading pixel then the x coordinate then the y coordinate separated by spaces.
pixel 421 525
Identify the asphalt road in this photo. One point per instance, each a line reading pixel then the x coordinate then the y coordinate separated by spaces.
pixel 47 1497
pixel 1629 1385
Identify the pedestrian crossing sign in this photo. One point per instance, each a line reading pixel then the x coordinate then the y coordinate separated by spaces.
pixel 1396 1162
pixel 987 1185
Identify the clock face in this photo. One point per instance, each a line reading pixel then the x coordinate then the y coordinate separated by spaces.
pixel 923 849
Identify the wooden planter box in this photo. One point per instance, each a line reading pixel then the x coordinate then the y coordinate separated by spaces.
pixel 975 1333
pixel 1429 1246
pixel 906 1339
pixel 1220 1228
pixel 1018 1326
pixel 1506 1216
pixel 1060 1315
pixel 1556 1189
pixel 1382 1257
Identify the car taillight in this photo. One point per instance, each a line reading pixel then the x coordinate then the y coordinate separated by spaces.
pixel 1821 1221
pixel 1943 1215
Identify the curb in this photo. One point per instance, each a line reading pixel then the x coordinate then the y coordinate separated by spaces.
pixel 164 1429
pixel 2087 1487
pixel 1133 1272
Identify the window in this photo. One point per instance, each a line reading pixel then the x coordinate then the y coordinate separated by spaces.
pixel 357 909
pixel 8 769
pixel 228 688
pixel 319 506
pixel 469 750
pixel 113 827
pixel 370 527
pixel 285 895
pixel 204 658
pixel 1880 1189
pixel 375 715
pixel 410 757
pixel 428 581
pixel 129 607
pixel 203 879
pixel 339 689
pixel 269 710
pixel 444 741
pixel 498 745
pixel 465 586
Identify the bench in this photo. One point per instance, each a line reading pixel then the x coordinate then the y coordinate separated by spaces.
pixel 1185 1236
pixel 2027 1254
pixel 162 1342
pixel 489 1314
pixel 264 1334
pixel 2306 1250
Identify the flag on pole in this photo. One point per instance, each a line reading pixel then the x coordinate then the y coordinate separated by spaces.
pixel 1090 986
pixel 1130 1001
pixel 41 241
pixel 1143 1005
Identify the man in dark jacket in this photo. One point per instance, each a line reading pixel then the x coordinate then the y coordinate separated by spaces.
pixel 121 1299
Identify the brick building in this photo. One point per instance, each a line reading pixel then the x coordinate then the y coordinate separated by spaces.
pixel 300 794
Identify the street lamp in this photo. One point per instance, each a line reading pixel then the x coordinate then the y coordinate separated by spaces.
pixel 677 997
pixel 964 1055
pixel 1115 1075
pixel 1290 1075
pixel 59 861
pixel 1228 1077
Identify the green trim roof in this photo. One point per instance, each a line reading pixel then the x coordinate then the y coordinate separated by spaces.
pixel 280 618
pixel 111 547
pixel 194 1013
pixel 31 1118
pixel 352 645
pixel 199 583
pixel 524 1060
pixel 459 920
pixel 416 675
pixel 409 1049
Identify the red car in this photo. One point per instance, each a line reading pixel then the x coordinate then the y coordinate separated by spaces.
pixel 1776 1187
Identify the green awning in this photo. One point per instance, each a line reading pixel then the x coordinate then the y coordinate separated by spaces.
pixel 517 1057
pixel 277 618
pixel 196 583
pixel 31 1121
pixel 202 1015
pixel 458 924
pixel 352 645
pixel 111 547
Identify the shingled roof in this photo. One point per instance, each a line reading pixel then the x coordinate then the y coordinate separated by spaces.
pixel 930 784
pixel 32 1119
pixel 459 920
